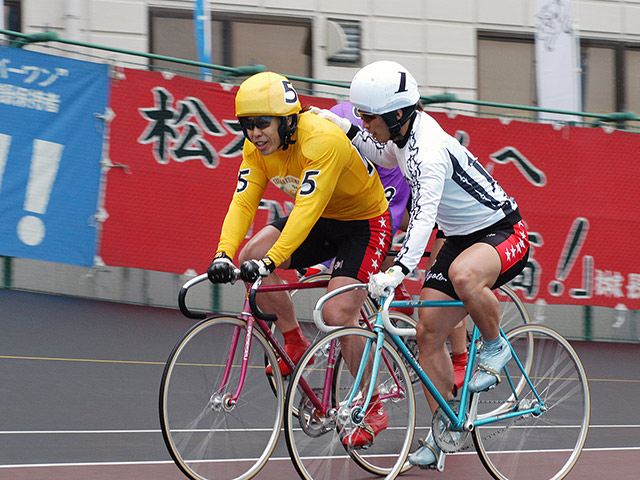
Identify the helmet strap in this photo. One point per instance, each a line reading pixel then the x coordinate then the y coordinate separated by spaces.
pixel 286 131
pixel 395 124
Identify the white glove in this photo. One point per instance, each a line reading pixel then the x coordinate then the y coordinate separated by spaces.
pixel 383 283
pixel 343 123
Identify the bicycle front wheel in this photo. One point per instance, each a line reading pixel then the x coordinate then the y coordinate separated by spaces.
pixel 208 435
pixel 318 424
pixel 544 445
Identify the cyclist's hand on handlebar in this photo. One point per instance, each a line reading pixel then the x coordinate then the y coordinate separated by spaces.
pixel 221 269
pixel 252 269
pixel 383 283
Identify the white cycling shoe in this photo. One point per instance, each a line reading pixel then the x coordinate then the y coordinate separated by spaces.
pixel 490 361
pixel 428 456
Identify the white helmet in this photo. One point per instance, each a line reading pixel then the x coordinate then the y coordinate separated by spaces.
pixel 382 87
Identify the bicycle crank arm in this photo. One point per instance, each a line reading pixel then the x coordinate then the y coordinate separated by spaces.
pixel 473 413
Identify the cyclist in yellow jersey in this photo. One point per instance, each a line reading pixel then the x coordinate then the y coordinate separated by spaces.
pixel 340 211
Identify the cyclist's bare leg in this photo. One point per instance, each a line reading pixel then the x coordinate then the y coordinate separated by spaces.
pixel 472 274
pixel 435 324
pixel 279 303
pixel 344 310
pixel 458 338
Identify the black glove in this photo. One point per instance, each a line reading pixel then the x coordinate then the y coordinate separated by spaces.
pixel 252 269
pixel 221 269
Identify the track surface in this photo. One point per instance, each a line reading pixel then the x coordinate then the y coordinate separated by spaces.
pixel 79 383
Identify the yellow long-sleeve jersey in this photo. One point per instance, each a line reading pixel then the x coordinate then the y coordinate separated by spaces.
pixel 323 172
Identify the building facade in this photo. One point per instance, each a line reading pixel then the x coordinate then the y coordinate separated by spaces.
pixel 477 49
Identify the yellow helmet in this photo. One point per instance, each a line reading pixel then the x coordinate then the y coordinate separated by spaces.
pixel 266 93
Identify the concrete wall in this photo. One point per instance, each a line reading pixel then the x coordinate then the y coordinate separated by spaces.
pixel 434 39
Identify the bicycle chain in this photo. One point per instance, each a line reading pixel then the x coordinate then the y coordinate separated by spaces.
pixel 493 434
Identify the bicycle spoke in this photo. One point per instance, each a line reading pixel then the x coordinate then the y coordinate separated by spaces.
pixel 545 443
pixel 208 436
pixel 315 436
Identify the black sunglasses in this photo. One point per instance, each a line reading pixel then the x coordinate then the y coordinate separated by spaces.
pixel 249 123
pixel 367 117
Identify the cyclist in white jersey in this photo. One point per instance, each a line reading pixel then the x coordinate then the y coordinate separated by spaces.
pixel 486 241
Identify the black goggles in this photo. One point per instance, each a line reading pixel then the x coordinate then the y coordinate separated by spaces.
pixel 367 117
pixel 249 123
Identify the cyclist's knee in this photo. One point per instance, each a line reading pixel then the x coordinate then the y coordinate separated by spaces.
pixel 340 313
pixel 259 244
pixel 427 332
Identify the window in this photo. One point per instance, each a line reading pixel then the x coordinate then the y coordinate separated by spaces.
pixel 631 79
pixel 351 33
pixel 12 15
pixel 506 73
pixel 280 44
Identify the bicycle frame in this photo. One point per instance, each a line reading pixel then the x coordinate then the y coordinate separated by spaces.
pixel 458 420
pixel 382 326
pixel 251 321
pixel 251 315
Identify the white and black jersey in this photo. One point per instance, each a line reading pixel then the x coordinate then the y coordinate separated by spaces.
pixel 448 185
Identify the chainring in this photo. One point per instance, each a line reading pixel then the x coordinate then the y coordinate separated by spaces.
pixel 447 440
pixel 311 423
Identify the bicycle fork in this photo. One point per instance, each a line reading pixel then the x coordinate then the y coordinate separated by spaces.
pixel 220 400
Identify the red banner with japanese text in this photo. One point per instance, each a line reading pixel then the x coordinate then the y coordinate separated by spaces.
pixel 175 145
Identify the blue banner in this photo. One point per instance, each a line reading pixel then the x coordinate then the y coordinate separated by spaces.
pixel 51 136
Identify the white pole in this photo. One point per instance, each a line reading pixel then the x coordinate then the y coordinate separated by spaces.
pixel 73 20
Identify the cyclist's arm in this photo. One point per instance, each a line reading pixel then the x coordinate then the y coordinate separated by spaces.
pixel 426 192
pixel 317 184
pixel 375 151
pixel 252 182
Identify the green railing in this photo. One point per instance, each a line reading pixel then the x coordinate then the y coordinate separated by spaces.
pixel 22 39
pixel 618 119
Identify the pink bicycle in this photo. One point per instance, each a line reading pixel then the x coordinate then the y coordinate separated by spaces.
pixel 220 413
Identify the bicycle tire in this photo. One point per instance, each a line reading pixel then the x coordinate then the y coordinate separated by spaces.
pixel 206 436
pixel 314 438
pixel 404 321
pixel 549 444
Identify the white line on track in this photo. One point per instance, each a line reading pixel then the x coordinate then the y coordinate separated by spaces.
pixel 99 432
pixel 163 462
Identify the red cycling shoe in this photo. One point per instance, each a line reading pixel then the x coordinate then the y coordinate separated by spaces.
pixel 403 294
pixel 374 422
pixel 295 344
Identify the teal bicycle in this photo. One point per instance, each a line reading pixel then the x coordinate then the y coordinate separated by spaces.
pixel 533 424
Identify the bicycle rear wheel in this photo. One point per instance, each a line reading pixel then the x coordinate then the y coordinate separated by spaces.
pixel 207 436
pixel 546 445
pixel 314 435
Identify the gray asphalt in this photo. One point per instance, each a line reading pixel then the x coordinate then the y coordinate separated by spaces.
pixel 79 385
